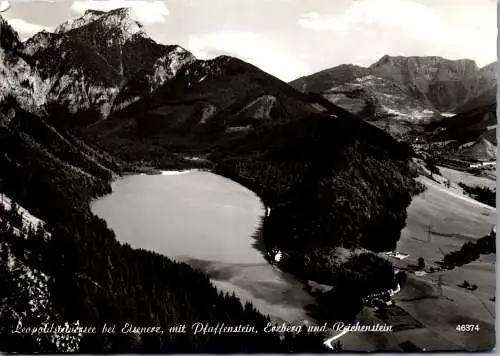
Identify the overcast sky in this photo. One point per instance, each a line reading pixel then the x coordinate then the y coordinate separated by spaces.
pixel 291 38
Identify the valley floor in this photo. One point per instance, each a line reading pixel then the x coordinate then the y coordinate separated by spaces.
pixel 429 307
pixel 468 178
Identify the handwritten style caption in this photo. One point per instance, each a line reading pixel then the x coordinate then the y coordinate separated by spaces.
pixel 198 328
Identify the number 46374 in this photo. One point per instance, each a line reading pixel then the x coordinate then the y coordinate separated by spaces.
pixel 467 327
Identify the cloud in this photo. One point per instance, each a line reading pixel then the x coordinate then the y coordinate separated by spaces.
pixel 249 47
pixel 398 13
pixel 4 6
pixel 408 27
pixel 26 1
pixel 26 29
pixel 147 12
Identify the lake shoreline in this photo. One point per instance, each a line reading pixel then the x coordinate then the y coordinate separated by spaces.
pixel 253 279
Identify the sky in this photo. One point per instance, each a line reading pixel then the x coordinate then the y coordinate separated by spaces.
pixel 292 38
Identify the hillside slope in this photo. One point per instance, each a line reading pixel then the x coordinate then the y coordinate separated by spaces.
pixel 476 118
pixel 81 273
pixel 330 180
pixel 444 83
pixel 101 61
pixel 325 182
pixel 207 102
pixel 17 77
pixel 433 84
pixel 258 130
pixel 481 150
pixel 441 221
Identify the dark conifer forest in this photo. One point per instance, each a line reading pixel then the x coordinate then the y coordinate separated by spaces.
pixel 470 251
pixel 331 182
pixel 94 279
pixel 482 194
pixel 331 187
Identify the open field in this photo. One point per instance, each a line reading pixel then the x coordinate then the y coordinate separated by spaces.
pixel 468 178
pixel 439 221
pixel 452 218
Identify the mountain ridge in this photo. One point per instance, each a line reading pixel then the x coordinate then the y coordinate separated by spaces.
pixel 355 180
pixel 88 276
pixel 439 84
pixel 89 61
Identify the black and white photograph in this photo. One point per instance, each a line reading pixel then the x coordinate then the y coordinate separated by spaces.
pixel 247 176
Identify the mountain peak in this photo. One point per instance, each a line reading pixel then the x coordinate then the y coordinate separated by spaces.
pixel 88 17
pixel 384 59
pixel 490 68
pixel 123 18
pixel 329 78
pixel 9 39
pixel 123 11
pixel 94 12
pixel 424 60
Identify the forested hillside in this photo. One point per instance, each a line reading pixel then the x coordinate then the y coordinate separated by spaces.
pixel 91 278
pixel 337 187
pixel 329 183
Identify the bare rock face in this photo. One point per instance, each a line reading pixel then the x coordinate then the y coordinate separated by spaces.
pixel 328 78
pixel 260 108
pixel 481 150
pixel 91 61
pixel 162 68
pixel 487 78
pixel 71 24
pixel 444 83
pixel 18 79
pixel 408 87
pixel 381 98
pixel 102 63
pixel 223 94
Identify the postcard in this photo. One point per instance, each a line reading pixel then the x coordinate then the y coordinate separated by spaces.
pixel 247 176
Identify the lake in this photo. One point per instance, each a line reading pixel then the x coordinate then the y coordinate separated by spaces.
pixel 207 221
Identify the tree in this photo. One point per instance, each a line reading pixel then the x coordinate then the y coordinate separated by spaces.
pixel 431 165
pixel 421 263
pixel 401 278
